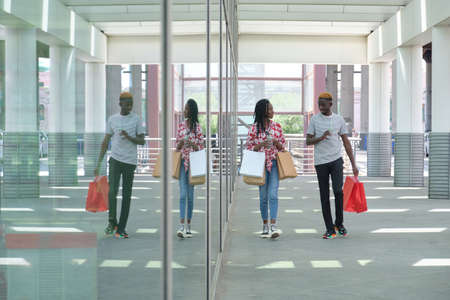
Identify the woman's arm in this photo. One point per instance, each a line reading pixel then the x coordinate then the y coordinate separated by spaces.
pixel 180 139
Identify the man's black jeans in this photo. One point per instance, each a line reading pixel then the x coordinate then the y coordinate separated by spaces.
pixel 336 170
pixel 116 169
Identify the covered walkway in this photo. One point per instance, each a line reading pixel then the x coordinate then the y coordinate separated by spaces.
pixel 397 250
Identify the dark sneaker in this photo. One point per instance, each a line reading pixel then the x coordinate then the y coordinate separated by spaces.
pixel 341 229
pixel 111 228
pixel 188 231
pixel 265 231
pixel 121 235
pixel 329 235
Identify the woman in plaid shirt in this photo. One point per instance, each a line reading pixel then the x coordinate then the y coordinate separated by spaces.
pixel 189 138
pixel 267 136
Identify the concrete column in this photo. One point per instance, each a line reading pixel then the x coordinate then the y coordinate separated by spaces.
pixel 379 139
pixel 331 84
pixel 113 89
pixel 136 89
pixel 80 94
pixel 153 101
pixel 21 141
pixel 2 84
pixel 62 146
pixel 409 154
pixel 439 173
pixel 95 110
pixel 319 84
pixel 364 108
pixel 347 96
pixel 427 57
pixel 394 101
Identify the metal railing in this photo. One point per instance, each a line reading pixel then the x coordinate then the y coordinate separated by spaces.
pixel 302 154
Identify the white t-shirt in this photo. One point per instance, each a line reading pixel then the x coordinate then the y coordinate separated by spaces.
pixel 329 149
pixel 122 149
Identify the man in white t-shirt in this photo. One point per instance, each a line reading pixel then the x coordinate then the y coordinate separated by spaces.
pixel 323 132
pixel 125 131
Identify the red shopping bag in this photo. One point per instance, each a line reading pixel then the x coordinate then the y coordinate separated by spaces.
pixel 354 195
pixel 97 198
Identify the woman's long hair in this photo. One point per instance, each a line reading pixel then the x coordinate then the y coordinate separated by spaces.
pixel 260 114
pixel 193 114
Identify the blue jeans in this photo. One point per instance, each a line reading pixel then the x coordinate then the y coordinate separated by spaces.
pixel 269 193
pixel 186 192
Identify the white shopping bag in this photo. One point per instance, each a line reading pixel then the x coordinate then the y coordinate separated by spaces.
pixel 197 163
pixel 253 163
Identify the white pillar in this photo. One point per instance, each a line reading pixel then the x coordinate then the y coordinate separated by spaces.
pixel 409 154
pixel 62 158
pixel 379 139
pixel 21 142
pixel 364 108
pixel 409 79
pixel 394 97
pixel 440 136
pixel 95 110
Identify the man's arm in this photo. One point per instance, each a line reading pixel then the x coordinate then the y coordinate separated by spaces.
pixel 138 140
pixel 102 153
pixel 312 140
pixel 349 150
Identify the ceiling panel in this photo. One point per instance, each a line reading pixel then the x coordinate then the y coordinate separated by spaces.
pixel 348 17
pixel 331 2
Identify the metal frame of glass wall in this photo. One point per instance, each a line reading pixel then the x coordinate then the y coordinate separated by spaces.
pixel 227 137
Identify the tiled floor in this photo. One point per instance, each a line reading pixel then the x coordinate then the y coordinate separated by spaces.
pixel 399 249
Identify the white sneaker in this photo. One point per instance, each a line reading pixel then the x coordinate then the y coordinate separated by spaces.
pixel 275 231
pixel 180 231
pixel 188 231
pixel 265 231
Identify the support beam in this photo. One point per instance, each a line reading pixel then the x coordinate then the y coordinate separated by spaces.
pixel 379 140
pixel 62 145
pixel 21 140
pixel 409 154
pixel 95 116
pixel 347 101
pixel 427 51
pixel 331 83
pixel 364 108
pixel 136 89
pixel 439 175
pixel 113 89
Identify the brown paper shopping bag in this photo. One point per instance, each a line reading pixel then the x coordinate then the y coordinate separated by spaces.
pixel 157 169
pixel 176 165
pixel 260 181
pixel 198 180
pixel 286 168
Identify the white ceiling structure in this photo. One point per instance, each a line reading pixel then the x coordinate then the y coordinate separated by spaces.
pixel 291 17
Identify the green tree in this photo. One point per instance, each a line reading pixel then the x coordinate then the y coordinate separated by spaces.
pixel 291 124
pixel 213 122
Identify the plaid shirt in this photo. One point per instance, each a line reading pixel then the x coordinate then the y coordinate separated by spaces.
pixel 196 138
pixel 254 138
